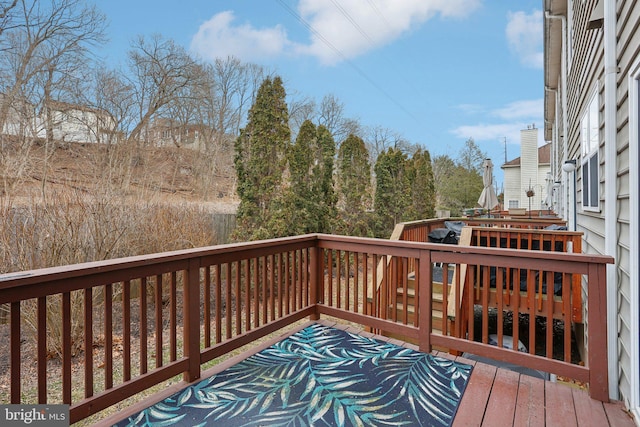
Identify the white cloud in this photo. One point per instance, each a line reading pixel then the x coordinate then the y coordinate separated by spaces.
pixel 220 37
pixel 496 132
pixel 339 30
pixel 355 27
pixel 524 35
pixel 486 132
pixel 525 109
pixel 513 117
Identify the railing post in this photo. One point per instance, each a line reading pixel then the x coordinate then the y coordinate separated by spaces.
pixel 15 350
pixel 425 301
pixel 314 279
pixel 191 293
pixel 597 333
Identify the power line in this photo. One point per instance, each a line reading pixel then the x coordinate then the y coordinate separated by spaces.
pixel 377 11
pixel 353 22
pixel 345 59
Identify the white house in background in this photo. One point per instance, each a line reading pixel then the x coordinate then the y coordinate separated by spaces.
pixel 592 118
pixel 77 123
pixel 20 119
pixel 164 132
pixel 529 171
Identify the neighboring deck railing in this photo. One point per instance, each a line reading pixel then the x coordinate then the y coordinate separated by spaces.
pixel 196 305
pixel 418 231
pixel 544 287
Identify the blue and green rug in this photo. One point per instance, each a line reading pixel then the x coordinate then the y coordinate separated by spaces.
pixel 320 376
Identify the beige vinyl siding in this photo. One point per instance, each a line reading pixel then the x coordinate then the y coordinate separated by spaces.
pixel 584 80
pixel 628 35
pixel 624 342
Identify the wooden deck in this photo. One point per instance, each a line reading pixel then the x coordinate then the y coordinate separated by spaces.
pixel 499 397
pixel 494 396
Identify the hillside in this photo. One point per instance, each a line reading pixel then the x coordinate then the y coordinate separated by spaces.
pixel 166 174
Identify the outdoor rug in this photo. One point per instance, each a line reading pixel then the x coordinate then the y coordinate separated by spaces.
pixel 320 376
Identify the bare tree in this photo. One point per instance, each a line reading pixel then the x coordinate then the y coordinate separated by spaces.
pixel 236 85
pixel 113 99
pixel 225 93
pixel 113 95
pixel 160 70
pixel 44 35
pixel 7 19
pixel 43 43
pixel 331 115
pixel 301 109
pixel 328 113
pixel 380 139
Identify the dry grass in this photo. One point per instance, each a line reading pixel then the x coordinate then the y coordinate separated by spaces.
pixel 140 174
pixel 91 202
pixel 85 202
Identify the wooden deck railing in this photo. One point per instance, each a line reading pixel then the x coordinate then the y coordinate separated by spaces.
pixel 418 231
pixel 196 305
pixel 543 287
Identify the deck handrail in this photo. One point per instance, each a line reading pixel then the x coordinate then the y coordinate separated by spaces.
pixel 527 239
pixel 227 296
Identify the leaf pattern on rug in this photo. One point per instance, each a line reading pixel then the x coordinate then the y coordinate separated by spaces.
pixel 320 376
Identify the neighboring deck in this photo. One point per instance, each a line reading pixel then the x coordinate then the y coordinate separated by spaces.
pixel 494 396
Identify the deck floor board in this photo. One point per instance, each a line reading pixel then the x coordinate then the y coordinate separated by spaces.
pixel 530 402
pixel 502 401
pixel 476 395
pixel 559 405
pixel 586 413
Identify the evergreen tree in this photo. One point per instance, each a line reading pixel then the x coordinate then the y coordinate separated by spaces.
pixel 323 183
pixel 311 199
pixel 423 193
pixel 392 197
pixel 354 187
pixel 459 183
pixel 260 162
pixel 299 197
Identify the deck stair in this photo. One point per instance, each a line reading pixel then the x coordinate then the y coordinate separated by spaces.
pixel 410 290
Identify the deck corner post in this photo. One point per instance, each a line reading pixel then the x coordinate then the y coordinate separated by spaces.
pixel 191 309
pixel 425 300
pixel 314 280
pixel 597 345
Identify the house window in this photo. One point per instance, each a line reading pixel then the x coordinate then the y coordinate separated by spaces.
pixel 514 204
pixel 590 139
pixel 166 134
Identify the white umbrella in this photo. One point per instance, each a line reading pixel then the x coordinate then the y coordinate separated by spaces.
pixel 488 199
pixel 549 198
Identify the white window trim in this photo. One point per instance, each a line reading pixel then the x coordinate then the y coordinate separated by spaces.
pixel 590 113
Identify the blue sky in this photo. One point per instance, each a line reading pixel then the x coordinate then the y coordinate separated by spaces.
pixel 435 71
